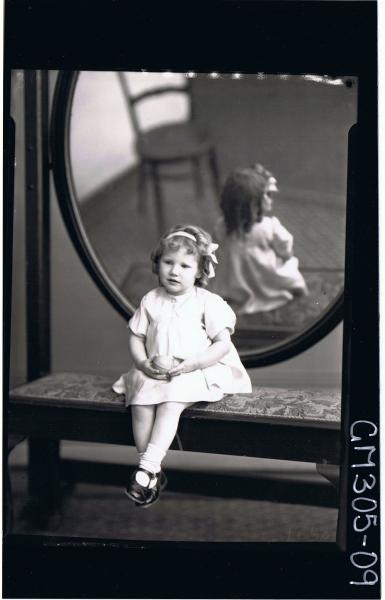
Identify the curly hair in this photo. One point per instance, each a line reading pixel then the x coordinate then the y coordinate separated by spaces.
pixel 241 198
pixel 198 249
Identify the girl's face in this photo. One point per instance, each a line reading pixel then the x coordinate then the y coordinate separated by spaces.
pixel 178 271
pixel 267 199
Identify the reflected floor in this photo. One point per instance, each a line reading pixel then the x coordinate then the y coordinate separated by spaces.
pixel 122 234
pixel 324 287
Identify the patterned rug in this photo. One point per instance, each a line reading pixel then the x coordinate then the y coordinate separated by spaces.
pixel 104 512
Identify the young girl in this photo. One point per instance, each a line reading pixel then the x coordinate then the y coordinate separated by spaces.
pixel 181 349
pixel 257 270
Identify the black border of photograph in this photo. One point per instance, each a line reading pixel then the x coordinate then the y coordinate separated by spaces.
pixel 286 37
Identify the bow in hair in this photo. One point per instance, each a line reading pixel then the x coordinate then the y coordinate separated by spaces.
pixel 213 259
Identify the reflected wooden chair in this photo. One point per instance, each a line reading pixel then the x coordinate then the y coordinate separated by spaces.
pixel 168 145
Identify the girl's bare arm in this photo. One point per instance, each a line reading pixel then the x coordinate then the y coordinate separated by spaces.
pixel 138 353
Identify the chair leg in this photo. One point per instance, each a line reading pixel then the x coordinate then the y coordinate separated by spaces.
pixel 158 198
pixel 142 195
pixel 43 510
pixel 8 505
pixel 197 177
pixel 214 172
pixel 13 441
pixel 331 473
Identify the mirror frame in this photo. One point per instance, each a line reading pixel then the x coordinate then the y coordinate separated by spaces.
pixel 65 190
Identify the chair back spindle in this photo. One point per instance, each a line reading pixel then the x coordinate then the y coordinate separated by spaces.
pixel 133 100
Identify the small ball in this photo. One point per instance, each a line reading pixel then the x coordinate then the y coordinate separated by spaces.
pixel 163 363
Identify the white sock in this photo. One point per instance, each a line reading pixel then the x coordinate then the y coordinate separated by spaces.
pixel 141 478
pixel 150 460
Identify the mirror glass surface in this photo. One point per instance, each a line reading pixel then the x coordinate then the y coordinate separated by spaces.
pixel 290 273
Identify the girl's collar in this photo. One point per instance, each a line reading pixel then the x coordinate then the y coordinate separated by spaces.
pixel 181 297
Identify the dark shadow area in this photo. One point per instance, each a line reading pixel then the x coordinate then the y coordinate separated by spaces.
pixel 194 507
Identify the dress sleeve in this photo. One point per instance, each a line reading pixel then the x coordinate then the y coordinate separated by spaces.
pixel 218 316
pixel 282 240
pixel 139 321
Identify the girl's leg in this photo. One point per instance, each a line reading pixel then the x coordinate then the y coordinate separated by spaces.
pixel 163 433
pixel 143 417
pixel 166 423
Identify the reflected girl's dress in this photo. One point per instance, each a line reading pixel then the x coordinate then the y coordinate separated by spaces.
pixel 182 327
pixel 256 270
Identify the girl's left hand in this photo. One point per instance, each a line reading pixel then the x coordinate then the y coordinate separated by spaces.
pixel 186 366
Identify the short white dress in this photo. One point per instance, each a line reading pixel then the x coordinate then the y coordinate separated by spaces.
pixel 257 271
pixel 183 327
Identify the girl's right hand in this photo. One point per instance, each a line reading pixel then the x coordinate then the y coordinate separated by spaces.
pixel 148 369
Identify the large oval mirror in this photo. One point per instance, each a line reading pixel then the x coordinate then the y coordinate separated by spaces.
pixel 135 153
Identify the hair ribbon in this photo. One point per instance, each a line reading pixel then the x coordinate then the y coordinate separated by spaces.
pixel 183 234
pixel 213 259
